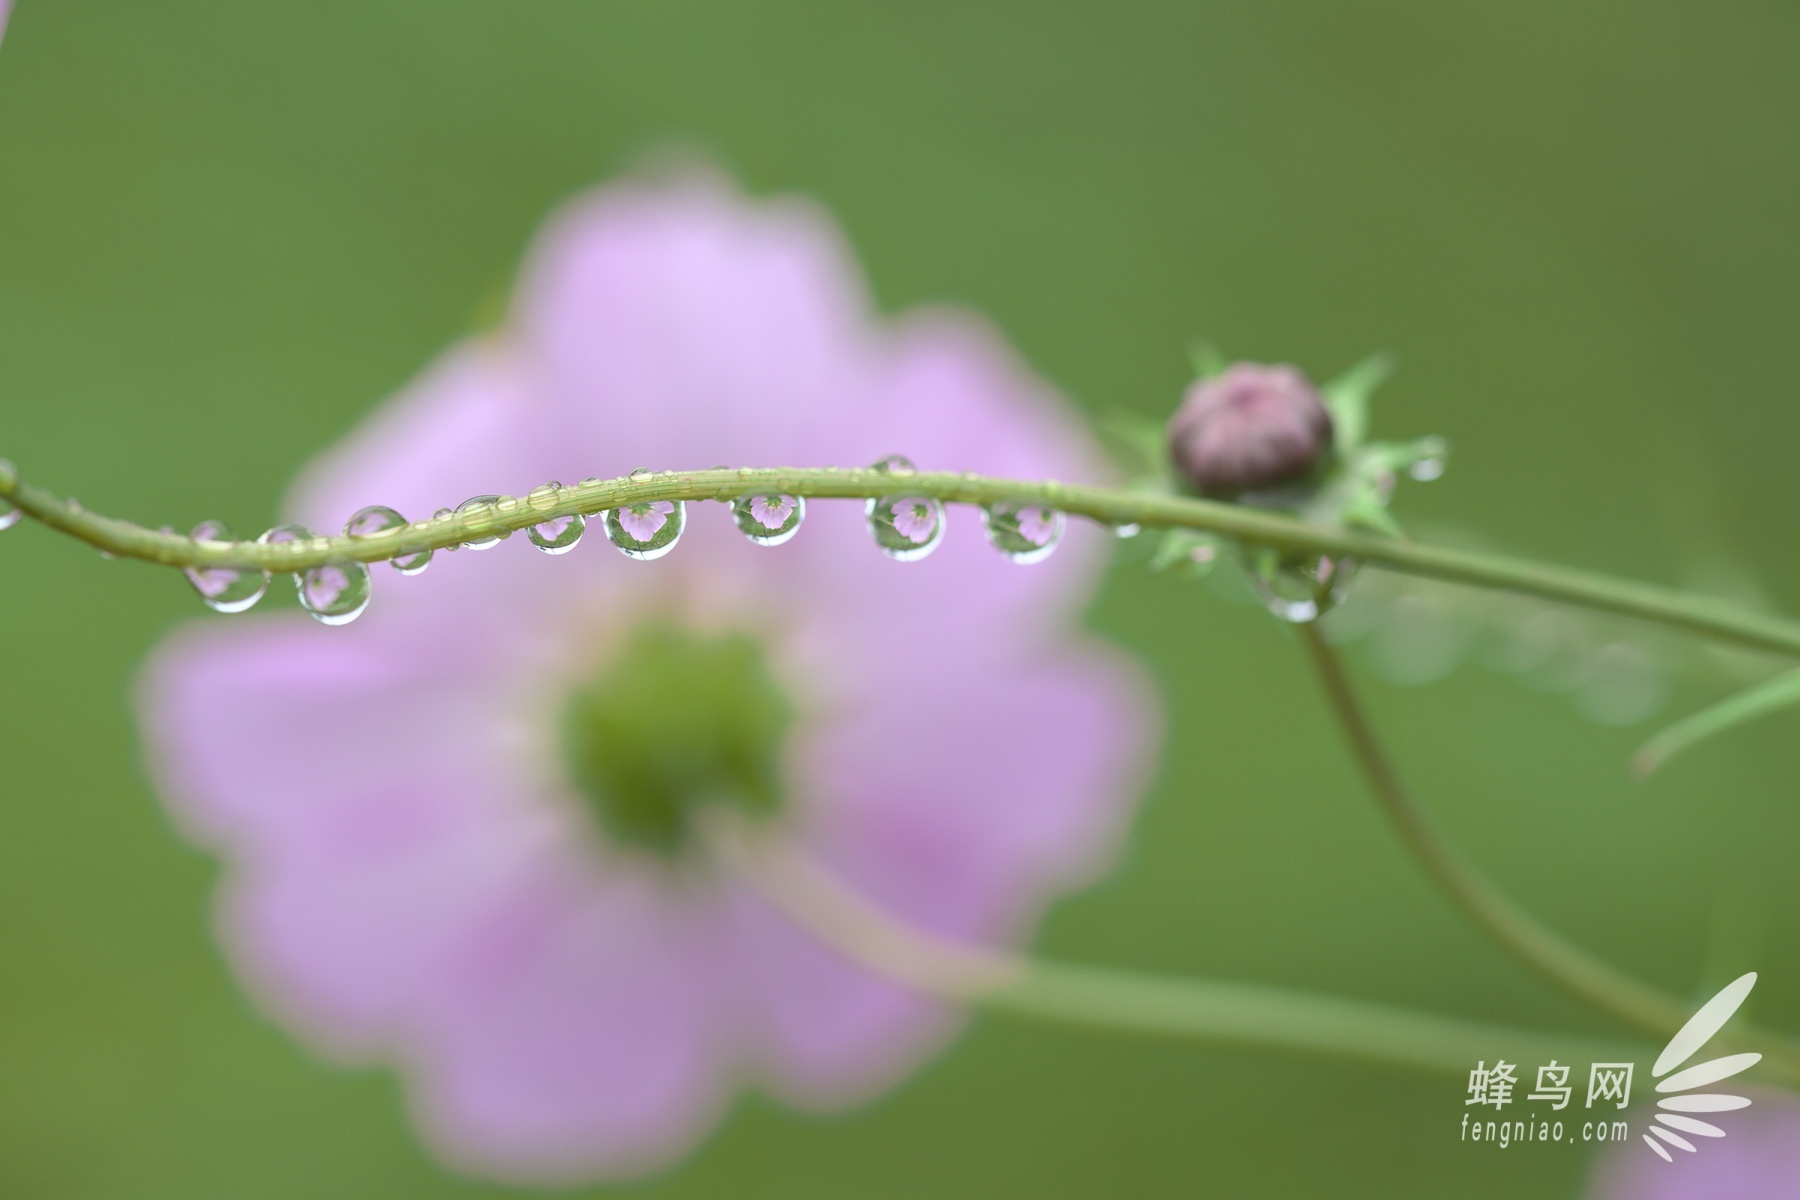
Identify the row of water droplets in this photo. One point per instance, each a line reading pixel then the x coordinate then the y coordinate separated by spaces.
pixel 905 528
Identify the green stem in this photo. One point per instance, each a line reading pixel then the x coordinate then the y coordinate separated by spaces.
pixel 1545 951
pixel 1126 1001
pixel 1115 507
pixel 1767 697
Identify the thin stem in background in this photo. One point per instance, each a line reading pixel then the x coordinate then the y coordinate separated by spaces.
pixel 1125 1001
pixel 1547 952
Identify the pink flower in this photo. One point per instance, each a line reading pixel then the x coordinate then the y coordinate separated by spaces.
pixel 456 831
pixel 1037 525
pixel 771 512
pixel 1758 1158
pixel 914 520
pixel 5 10
pixel 642 521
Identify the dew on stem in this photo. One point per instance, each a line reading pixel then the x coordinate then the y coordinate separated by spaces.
pixel 646 531
pixel 480 504
pixel 896 464
pixel 1025 533
pixel 336 593
pixel 224 589
pixel 557 535
pixel 379 518
pixel 1300 592
pixel 905 528
pixel 769 518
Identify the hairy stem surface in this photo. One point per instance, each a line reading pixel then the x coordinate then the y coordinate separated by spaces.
pixel 1666 606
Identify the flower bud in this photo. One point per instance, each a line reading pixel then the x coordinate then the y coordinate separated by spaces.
pixel 1250 428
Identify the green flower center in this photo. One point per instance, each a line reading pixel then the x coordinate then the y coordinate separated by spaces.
pixel 675 722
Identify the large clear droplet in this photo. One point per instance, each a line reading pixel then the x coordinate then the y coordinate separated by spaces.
pixel 769 518
pixel 378 518
pixel 558 535
pixel 646 531
pixel 336 593
pixel 897 464
pixel 641 475
pixel 224 589
pixel 9 512
pixel 1025 533
pixel 1300 591
pixel 481 504
pixel 906 528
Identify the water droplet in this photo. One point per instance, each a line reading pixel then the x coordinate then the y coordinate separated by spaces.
pixel 336 593
pixel 9 512
pixel 378 518
pixel 906 528
pixel 646 531
pixel 897 464
pixel 1426 469
pixel 641 475
pixel 480 504
pixel 558 535
pixel 1127 529
pixel 544 495
pixel 769 518
pixel 224 589
pixel 1025 533
pixel 1300 592
pixel 286 533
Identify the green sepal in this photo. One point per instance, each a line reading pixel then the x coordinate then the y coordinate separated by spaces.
pixel 1208 360
pixel 1347 399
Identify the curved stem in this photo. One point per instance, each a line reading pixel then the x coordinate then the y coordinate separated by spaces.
pixel 1127 1001
pixel 1545 951
pixel 1666 606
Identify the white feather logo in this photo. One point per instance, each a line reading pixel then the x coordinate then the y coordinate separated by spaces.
pixel 1670 1123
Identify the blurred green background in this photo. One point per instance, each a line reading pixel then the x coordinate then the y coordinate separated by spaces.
pixel 226 230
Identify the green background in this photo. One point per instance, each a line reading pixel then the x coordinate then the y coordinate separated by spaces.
pixel 227 229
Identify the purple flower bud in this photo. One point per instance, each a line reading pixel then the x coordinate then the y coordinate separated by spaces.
pixel 1250 428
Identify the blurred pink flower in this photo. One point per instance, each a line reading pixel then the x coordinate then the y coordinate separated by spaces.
pixel 1757 1159
pixel 5 9
pixel 413 873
